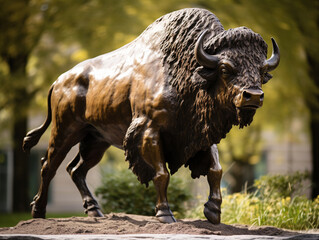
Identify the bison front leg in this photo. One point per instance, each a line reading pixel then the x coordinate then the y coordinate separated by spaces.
pixel 152 153
pixel 212 208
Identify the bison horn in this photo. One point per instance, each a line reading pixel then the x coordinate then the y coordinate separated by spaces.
pixel 273 61
pixel 203 58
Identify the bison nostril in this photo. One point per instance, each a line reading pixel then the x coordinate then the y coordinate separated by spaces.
pixel 246 95
pixel 262 97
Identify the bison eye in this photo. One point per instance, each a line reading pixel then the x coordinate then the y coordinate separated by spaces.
pixel 265 76
pixel 226 71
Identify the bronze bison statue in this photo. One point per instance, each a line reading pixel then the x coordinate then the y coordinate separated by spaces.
pixel 167 98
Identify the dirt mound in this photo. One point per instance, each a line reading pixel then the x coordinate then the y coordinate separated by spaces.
pixel 133 224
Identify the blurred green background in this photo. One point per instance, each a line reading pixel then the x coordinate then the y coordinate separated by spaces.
pixel 41 39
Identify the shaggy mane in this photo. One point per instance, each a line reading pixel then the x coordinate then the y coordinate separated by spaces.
pixel 196 105
pixel 178 42
pixel 236 38
pixel 203 116
pixel 211 114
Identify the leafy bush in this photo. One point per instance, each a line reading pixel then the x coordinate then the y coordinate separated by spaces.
pixel 122 192
pixel 271 204
pixel 281 185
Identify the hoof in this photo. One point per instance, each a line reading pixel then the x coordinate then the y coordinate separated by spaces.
pixel 165 216
pixel 36 213
pixel 212 212
pixel 95 213
pixel 92 208
pixel 213 217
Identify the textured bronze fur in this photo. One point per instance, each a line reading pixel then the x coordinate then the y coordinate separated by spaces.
pixel 155 100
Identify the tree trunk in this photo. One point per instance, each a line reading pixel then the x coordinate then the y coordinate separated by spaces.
pixel 313 105
pixel 20 102
pixel 242 174
pixel 23 23
pixel 315 156
pixel 20 173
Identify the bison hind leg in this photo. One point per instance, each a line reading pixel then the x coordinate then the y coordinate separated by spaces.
pixel 91 152
pixel 60 143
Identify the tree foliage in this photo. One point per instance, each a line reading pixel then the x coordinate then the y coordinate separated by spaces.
pixel 40 39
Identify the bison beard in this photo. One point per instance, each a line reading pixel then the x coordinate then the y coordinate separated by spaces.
pixel 245 116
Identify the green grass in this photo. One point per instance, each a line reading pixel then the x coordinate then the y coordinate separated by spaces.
pixel 275 202
pixel 11 219
pixel 297 213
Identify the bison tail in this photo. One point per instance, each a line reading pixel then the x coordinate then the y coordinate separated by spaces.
pixel 33 137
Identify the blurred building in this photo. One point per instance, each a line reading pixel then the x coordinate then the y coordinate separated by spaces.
pixel 63 194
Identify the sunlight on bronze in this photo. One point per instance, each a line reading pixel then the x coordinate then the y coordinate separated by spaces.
pixel 166 99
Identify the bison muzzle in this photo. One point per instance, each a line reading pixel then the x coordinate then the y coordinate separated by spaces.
pixel 166 99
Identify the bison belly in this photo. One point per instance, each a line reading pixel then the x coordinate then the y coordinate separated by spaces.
pixel 108 110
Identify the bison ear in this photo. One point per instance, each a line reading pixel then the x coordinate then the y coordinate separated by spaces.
pixel 266 78
pixel 203 77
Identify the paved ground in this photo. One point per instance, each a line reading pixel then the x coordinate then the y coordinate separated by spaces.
pixel 155 237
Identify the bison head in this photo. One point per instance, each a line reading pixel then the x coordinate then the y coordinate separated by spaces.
pixel 235 61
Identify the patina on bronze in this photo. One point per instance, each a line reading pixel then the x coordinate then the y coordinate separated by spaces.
pixel 167 99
